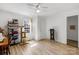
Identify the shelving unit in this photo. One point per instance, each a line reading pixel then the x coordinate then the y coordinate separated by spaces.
pixel 23 36
pixel 13 31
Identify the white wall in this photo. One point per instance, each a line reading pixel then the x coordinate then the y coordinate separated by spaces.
pixel 38 27
pixel 42 27
pixel 35 28
pixel 6 16
pixel 58 21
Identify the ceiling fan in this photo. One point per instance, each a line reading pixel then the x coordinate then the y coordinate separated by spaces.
pixel 37 6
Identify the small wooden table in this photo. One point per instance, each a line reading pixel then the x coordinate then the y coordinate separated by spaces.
pixel 5 42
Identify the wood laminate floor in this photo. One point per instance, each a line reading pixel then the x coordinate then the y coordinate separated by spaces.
pixel 43 47
pixel 72 43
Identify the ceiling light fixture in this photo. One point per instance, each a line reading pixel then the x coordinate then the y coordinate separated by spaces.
pixel 37 7
pixel 37 10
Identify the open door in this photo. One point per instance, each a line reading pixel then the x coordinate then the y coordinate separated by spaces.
pixel 72 31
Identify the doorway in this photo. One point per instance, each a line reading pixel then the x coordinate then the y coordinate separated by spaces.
pixel 72 31
pixel 28 28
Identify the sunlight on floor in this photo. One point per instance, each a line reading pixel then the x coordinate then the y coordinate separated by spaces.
pixel 33 45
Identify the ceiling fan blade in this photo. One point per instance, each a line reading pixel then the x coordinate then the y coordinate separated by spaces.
pixel 44 7
pixel 30 4
pixel 36 6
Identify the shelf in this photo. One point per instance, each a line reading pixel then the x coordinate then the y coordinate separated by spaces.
pixel 13 31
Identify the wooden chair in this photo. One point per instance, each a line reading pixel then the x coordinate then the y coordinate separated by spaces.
pixel 6 48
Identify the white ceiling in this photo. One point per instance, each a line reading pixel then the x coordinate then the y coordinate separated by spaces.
pixel 23 8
